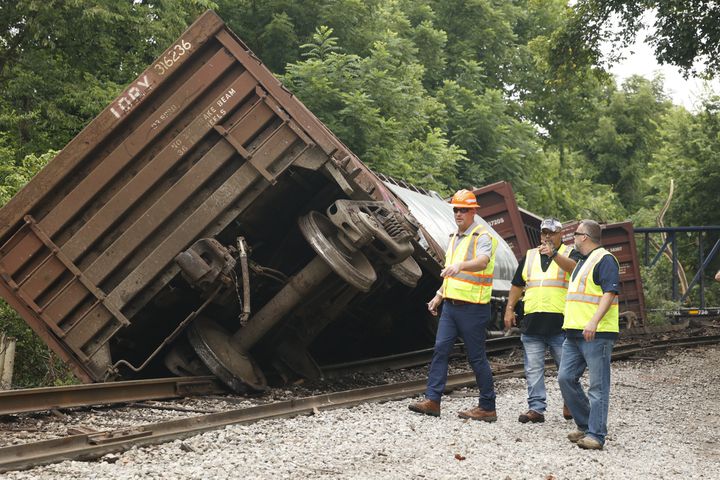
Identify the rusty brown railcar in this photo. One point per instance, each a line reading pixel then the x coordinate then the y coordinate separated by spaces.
pixel 207 220
pixel 518 227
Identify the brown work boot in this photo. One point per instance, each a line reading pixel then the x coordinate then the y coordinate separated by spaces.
pixel 589 443
pixel 477 413
pixel 575 436
pixel 566 413
pixel 426 407
pixel 531 416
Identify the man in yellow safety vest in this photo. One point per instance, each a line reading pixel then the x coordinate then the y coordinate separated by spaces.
pixel 465 298
pixel 543 274
pixel 591 328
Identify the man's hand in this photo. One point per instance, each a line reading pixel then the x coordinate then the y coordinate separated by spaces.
pixel 510 320
pixel 589 330
pixel 434 303
pixel 591 327
pixel 450 270
pixel 547 248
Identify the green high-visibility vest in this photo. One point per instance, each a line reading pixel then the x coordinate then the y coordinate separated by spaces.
pixel 583 298
pixel 545 291
pixel 473 287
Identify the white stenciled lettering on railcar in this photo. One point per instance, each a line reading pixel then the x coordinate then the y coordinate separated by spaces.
pixel 214 114
pixel 172 57
pixel 225 97
pixel 164 116
pixel 125 103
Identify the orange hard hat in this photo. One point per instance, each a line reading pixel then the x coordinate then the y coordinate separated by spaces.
pixel 464 199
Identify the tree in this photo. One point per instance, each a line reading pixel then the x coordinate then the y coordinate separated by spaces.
pixel 626 136
pixel 498 145
pixel 689 154
pixel 378 106
pixel 273 29
pixel 686 32
pixel 62 62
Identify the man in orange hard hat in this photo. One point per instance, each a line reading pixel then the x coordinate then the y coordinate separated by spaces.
pixel 465 298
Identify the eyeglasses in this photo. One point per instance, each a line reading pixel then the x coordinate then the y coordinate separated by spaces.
pixel 579 233
pixel 460 210
pixel 548 232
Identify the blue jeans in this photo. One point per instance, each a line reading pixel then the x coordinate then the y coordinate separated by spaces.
pixel 589 411
pixel 534 347
pixel 468 322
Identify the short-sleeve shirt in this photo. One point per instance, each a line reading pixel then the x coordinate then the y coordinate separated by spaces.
pixel 606 273
pixel 484 244
pixel 541 323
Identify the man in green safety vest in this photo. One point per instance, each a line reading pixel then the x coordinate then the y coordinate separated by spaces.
pixel 543 274
pixel 591 328
pixel 465 298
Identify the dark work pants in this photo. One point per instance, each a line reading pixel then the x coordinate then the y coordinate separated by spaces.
pixel 468 322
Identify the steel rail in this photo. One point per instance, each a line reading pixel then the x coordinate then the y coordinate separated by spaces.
pixel 70 396
pixel 89 446
pixel 622 351
pixel 47 398
pixel 411 359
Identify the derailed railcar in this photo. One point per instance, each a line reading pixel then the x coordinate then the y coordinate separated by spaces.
pixel 207 220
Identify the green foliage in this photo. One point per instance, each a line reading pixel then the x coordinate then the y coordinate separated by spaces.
pixel 657 288
pixel 378 106
pixel 280 39
pixel 498 145
pixel 481 31
pixel 686 34
pixel 61 60
pixel 273 29
pixel 626 137
pixel 14 175
pixel 567 191
pixel 35 364
pixel 322 44
pixel 689 154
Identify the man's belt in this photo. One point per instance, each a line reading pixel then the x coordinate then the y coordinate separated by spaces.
pixel 459 302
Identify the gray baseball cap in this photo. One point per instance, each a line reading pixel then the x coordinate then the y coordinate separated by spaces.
pixel 552 224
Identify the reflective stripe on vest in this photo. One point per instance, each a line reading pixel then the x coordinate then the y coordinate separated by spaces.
pixel 584 297
pixel 544 291
pixel 473 287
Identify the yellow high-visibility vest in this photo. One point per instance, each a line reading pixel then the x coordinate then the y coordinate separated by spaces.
pixel 583 298
pixel 545 291
pixel 473 287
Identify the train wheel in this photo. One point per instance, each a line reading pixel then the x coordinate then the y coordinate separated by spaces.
pixel 224 358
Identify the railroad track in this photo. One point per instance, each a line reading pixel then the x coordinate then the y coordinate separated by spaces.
pixel 70 396
pixel 54 398
pixel 94 445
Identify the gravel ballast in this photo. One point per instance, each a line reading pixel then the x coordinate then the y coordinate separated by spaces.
pixel 663 423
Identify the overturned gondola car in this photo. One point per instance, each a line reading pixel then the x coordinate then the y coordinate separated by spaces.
pixel 207 221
